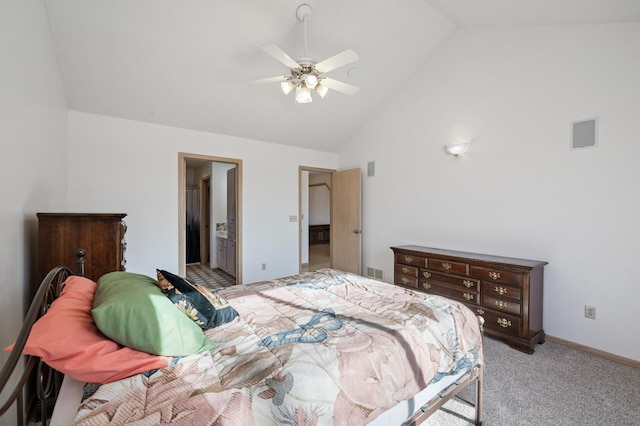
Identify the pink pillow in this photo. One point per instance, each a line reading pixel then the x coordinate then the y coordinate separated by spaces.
pixel 67 339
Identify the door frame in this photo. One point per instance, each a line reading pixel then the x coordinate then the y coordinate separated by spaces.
pixel 182 211
pixel 300 189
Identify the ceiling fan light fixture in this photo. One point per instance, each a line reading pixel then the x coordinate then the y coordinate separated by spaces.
pixel 305 73
pixel 287 86
pixel 311 81
pixel 303 94
pixel 321 90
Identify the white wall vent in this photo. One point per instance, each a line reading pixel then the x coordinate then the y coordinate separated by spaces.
pixel 371 168
pixel 375 273
pixel 584 134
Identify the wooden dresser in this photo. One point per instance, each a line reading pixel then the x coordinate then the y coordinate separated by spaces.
pixel 319 234
pixel 507 292
pixel 101 236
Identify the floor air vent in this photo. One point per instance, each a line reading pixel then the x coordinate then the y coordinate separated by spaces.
pixel 375 273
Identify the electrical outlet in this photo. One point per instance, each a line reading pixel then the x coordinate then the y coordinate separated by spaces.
pixel 263 267
pixel 590 312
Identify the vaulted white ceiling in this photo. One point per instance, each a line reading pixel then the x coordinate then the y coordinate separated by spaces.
pixel 185 63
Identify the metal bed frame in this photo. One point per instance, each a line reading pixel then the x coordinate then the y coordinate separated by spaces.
pixel 47 380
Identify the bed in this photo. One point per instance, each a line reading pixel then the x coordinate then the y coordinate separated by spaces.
pixel 326 347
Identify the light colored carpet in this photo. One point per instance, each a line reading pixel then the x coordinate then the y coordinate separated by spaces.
pixel 556 385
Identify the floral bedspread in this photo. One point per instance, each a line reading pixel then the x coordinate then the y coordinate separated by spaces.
pixel 323 348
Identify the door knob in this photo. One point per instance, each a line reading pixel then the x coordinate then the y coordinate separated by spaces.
pixel 357 231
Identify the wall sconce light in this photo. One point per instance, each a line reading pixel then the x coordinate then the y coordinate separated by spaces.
pixel 456 149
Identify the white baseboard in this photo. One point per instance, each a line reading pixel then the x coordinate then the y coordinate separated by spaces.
pixel 594 351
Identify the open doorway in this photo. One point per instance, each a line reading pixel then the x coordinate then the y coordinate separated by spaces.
pixel 315 219
pixel 343 241
pixel 210 225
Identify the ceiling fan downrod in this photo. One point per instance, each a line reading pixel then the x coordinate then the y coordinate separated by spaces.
pixel 303 13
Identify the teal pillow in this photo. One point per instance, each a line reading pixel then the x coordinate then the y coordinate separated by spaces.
pixel 131 310
pixel 206 308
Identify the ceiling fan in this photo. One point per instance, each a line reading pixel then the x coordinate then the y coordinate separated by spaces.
pixel 307 75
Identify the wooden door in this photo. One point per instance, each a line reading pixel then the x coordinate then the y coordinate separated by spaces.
pixel 346 229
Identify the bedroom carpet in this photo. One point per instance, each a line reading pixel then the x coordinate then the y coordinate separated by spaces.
pixel 556 385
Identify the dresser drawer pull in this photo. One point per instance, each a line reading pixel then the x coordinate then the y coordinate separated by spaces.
pixel 500 304
pixel 503 322
pixel 446 266
pixel 501 290
pixel 408 259
pixel 480 311
pixel 468 284
pixel 468 296
pixel 405 270
pixel 494 275
pixel 426 274
pixel 405 280
pixel 426 286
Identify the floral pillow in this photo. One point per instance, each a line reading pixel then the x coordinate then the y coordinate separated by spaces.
pixel 206 308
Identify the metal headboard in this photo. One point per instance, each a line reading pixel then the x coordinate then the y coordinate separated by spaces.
pixel 47 380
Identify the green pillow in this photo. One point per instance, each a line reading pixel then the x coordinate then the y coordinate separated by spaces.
pixel 131 310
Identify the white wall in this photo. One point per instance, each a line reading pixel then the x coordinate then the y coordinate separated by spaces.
pixel 33 154
pixel 118 165
pixel 320 199
pixel 519 190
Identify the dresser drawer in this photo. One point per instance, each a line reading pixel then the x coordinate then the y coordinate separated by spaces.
pixel 503 323
pixel 502 305
pixel 468 296
pixel 448 266
pixel 501 291
pixel 406 281
pixel 408 259
pixel 410 271
pixel 438 277
pixel 496 275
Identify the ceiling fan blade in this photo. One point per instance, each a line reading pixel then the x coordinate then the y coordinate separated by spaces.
pixel 337 61
pixel 339 86
pixel 279 54
pixel 270 80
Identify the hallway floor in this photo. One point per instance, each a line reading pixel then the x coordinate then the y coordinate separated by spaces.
pixel 319 257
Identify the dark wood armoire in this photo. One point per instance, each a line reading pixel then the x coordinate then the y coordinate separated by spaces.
pixel 100 235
